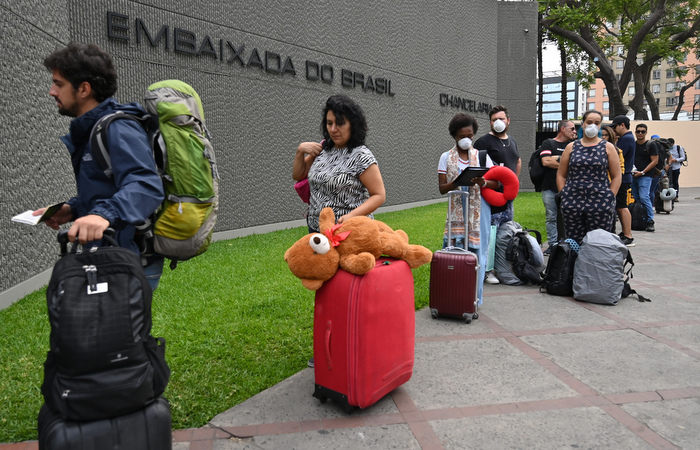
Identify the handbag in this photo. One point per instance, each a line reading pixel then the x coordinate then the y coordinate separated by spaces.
pixel 302 188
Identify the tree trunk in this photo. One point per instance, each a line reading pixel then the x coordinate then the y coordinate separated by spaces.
pixel 681 98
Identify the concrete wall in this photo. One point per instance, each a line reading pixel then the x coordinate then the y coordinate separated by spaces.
pixel 478 52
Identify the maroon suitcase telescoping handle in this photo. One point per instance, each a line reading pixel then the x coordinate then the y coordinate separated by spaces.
pixel 465 212
pixel 329 326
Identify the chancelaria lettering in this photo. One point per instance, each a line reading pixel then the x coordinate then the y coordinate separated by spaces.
pixel 180 40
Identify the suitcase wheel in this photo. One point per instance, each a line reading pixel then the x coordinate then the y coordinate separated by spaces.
pixel 469 317
pixel 434 313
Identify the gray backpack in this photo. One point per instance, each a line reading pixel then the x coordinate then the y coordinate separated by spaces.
pixel 599 270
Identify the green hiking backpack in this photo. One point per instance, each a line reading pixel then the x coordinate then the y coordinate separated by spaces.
pixel 182 226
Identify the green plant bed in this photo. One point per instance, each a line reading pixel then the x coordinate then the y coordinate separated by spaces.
pixel 235 319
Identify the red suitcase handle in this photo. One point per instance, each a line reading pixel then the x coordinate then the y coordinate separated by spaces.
pixel 328 345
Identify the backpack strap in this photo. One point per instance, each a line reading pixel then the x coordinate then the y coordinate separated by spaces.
pixel 98 137
pixel 482 158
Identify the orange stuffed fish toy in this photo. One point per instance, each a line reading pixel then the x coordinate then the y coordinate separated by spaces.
pixel 353 245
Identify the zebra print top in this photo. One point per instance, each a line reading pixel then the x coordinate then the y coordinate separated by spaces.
pixel 334 179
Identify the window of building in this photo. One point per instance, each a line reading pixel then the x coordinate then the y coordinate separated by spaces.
pixel 697 85
pixel 670 87
pixel 657 102
pixel 591 93
pixel 670 74
pixel 620 64
pixel 606 106
pixel 697 99
pixel 590 106
pixel 631 91
pixel 656 75
pixel 605 92
pixel 671 101
pixel 640 61
pixel 655 88
pixel 620 50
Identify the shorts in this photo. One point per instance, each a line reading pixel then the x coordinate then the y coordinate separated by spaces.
pixel 621 197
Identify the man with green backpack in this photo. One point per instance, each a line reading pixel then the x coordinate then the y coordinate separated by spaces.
pixel 150 175
pixel 84 80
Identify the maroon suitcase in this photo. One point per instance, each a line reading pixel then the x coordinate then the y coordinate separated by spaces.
pixel 364 334
pixel 453 276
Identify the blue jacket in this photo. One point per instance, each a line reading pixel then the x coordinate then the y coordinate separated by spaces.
pixel 134 191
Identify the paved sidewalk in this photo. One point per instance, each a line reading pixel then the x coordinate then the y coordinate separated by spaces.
pixel 534 371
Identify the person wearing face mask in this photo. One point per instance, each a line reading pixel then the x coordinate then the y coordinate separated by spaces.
pixel 587 194
pixel 503 151
pixel 473 230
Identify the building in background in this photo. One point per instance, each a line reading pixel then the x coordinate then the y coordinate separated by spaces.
pixel 664 85
pixel 552 93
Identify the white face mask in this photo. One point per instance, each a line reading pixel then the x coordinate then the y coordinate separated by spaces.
pixel 499 126
pixel 591 131
pixel 464 143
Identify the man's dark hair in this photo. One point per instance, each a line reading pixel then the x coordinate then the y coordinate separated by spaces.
pixel 79 62
pixel 344 108
pixel 461 120
pixel 641 125
pixel 497 109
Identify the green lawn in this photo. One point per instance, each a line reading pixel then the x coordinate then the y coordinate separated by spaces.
pixel 235 319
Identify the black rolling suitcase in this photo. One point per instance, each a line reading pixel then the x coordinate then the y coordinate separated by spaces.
pixel 147 429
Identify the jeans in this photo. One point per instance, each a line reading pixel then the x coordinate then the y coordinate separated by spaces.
pixel 153 272
pixel 640 192
pixel 550 212
pixel 675 173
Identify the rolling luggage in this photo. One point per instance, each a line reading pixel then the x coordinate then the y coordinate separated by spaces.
pixel 453 275
pixel 147 429
pixel 364 334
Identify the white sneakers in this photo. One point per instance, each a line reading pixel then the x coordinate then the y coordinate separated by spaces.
pixel 491 278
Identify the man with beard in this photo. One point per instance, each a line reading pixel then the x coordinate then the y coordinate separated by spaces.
pixel 550 154
pixel 503 150
pixel 84 81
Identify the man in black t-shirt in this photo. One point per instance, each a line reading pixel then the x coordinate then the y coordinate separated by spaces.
pixel 503 151
pixel 550 153
pixel 646 156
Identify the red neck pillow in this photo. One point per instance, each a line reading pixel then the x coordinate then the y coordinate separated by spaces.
pixel 510 183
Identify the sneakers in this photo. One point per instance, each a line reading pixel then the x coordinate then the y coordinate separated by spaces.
pixel 311 363
pixel 627 241
pixel 491 278
pixel 650 226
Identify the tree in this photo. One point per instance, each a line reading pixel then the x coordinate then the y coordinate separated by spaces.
pixel 645 31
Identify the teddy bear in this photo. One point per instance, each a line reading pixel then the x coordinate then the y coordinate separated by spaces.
pixel 353 245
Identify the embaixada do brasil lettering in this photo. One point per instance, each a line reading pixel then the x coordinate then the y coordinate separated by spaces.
pixel 185 41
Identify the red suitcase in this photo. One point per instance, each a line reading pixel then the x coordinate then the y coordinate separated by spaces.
pixel 364 334
pixel 453 277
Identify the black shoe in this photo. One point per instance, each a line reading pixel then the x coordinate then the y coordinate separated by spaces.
pixel 311 363
pixel 547 252
pixel 627 241
pixel 650 226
